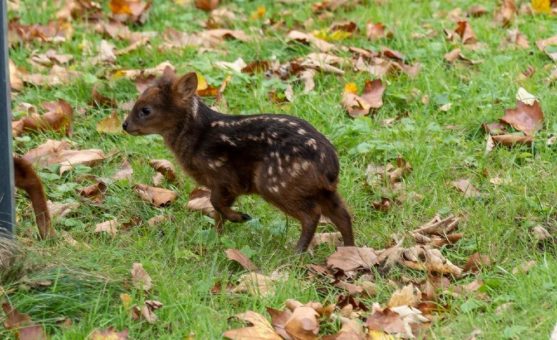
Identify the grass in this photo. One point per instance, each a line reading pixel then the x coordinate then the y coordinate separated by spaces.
pixel 185 258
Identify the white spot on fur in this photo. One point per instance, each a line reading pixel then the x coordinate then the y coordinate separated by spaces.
pixel 274 189
pixel 194 107
pixel 322 156
pixel 305 165
pixel 312 142
pixel 295 150
pixel 227 139
pixel 283 184
pixel 301 131
pixel 292 123
pixel 270 171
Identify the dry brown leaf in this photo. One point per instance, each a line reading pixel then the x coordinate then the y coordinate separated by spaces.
pixel 307 38
pixel 303 323
pixel 407 296
pixel 94 192
pixel 475 262
pixel 428 259
pixel 477 11
pixel 540 233
pixel 505 14
pixel 132 11
pixel 307 77
pixel 525 118
pixel 157 179
pixel 58 117
pixel 16 81
pixel 146 77
pixel 158 197
pixel 140 277
pixel 200 200
pixel 57 76
pixel 206 5
pixel 255 284
pixel 109 227
pixel 124 172
pixel 54 31
pixel 517 39
pixel 220 18
pixel 385 321
pixel 32 332
pixel 80 9
pixel 512 140
pixel 147 311
pixel 524 267
pixel 100 99
pixel 467 188
pixel 279 319
pixel 110 124
pixel 371 98
pixel 377 31
pixel 243 260
pixel 456 55
pixel 350 330
pixel 59 210
pixel 45 150
pixel 165 167
pixel 257 66
pixel 154 221
pixel 51 57
pixel 109 334
pixel 545 43
pixel 14 319
pixel 352 258
pixel 106 53
pixel 332 239
pixel 260 328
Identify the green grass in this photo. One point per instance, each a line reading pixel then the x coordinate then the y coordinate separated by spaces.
pixel 185 258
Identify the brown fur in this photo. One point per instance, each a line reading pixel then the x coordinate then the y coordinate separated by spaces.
pixel 26 178
pixel 282 158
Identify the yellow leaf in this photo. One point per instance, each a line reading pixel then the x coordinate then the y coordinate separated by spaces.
pixel 201 82
pixel 541 6
pixel 321 34
pixel 339 35
pixel 351 88
pixel 110 124
pixel 126 300
pixel 378 335
pixel 258 13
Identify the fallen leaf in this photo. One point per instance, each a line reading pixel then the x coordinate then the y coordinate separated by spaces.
pixel 512 140
pixel 165 167
pixel 32 332
pixel 140 278
pixel 124 172
pixel 235 66
pixel 157 179
pixel 243 260
pixel 306 38
pixel 377 31
pixel 258 13
pixel 100 99
pixel 307 77
pixel 352 258
pixel 56 76
pixel 524 267
pixel 465 32
pixel 59 210
pixel 109 227
pixel 506 13
pixel 14 319
pixel 154 221
pixel 110 124
pixel 58 117
pixel 541 6
pixel 467 188
pixel 56 152
pixel 147 311
pixel 540 233
pixel 525 118
pixel 53 31
pixel 206 5
pixel 524 96
pixel 424 258
pixel 407 296
pixel 16 81
pixel 371 98
pixel 146 77
pixel 51 57
pixel 386 321
pixel 259 328
pixel 302 323
pixel 332 239
pixel 475 262
pixel 106 53
pixel 109 334
pixel 132 11
pixel 255 284
pixel 517 39
pixel 477 11
pixel 94 192
pixel 200 200
pixel 79 9
pixel 158 197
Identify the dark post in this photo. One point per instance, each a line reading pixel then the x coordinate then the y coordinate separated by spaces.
pixel 7 214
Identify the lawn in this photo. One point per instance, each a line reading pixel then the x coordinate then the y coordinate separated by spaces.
pixel 58 281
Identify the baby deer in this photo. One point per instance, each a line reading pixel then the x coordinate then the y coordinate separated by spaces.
pixel 27 179
pixel 282 158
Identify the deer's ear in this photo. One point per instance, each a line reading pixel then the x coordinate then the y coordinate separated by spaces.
pixel 169 74
pixel 186 86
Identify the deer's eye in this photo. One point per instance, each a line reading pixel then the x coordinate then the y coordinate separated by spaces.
pixel 144 112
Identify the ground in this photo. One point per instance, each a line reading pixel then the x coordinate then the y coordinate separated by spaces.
pixel 185 257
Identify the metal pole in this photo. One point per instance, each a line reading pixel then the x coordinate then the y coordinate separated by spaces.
pixel 7 207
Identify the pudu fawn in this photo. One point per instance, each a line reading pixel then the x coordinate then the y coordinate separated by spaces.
pixel 27 179
pixel 282 158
